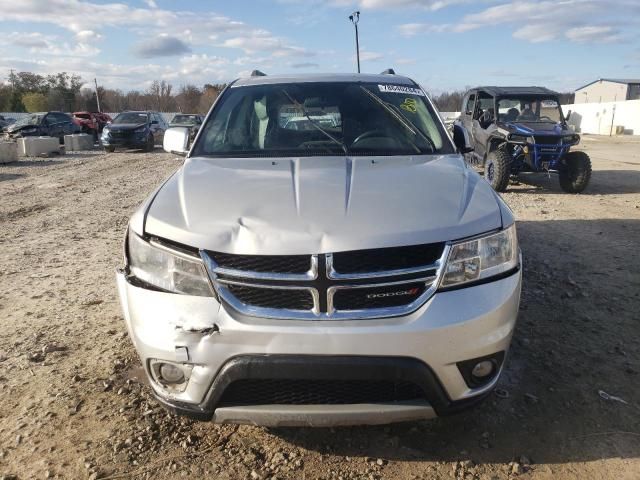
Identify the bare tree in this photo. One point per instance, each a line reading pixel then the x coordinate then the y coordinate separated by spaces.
pixel 160 91
pixel 188 98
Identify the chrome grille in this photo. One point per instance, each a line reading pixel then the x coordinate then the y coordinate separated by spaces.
pixel 359 284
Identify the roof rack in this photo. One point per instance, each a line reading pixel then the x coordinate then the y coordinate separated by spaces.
pixel 388 71
pixel 258 73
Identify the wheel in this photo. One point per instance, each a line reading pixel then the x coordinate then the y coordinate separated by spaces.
pixel 497 169
pixel 575 175
pixel 109 149
pixel 151 144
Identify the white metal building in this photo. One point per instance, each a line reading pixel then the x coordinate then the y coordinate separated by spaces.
pixel 608 90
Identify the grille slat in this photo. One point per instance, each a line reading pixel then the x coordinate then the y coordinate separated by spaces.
pixel 318 392
pixel 384 259
pixel 291 299
pixel 298 264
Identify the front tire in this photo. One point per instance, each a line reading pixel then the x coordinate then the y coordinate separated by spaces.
pixel 497 169
pixel 151 144
pixel 575 175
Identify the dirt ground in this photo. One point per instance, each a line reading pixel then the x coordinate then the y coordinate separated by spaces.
pixel 567 406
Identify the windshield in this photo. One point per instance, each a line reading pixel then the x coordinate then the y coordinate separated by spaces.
pixel 186 120
pixel 529 109
pixel 130 117
pixel 34 119
pixel 305 119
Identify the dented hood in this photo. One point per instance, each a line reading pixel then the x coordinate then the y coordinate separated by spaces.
pixel 307 205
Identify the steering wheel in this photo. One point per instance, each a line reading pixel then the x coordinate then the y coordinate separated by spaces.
pixel 545 118
pixel 369 134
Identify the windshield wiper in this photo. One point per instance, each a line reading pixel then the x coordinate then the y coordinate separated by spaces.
pixel 395 113
pixel 316 124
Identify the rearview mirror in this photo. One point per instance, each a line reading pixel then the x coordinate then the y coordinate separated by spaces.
pixel 176 140
pixel 461 139
pixel 568 116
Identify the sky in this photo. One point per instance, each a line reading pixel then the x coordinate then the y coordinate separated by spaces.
pixel 442 44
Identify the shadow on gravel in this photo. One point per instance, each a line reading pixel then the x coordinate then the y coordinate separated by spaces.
pixel 603 182
pixel 576 337
pixel 45 162
pixel 10 176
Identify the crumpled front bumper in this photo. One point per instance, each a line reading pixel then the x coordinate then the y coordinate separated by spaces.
pixel 451 327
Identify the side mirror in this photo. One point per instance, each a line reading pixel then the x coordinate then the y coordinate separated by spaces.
pixel 461 139
pixel 568 116
pixel 176 140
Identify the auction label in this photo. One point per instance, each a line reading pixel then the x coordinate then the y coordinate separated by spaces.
pixel 400 89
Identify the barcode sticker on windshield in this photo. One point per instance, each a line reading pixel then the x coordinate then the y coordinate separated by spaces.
pixel 400 89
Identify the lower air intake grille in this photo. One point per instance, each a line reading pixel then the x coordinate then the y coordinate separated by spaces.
pixel 318 392
pixel 290 299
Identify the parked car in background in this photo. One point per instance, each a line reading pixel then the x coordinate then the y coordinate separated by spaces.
pixel 5 122
pixel 354 272
pixel 50 124
pixel 143 129
pixel 92 122
pixel 191 121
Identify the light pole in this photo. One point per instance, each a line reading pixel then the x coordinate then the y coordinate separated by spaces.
pixel 355 18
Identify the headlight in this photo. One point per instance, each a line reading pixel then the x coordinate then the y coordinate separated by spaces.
pixel 518 138
pixel 106 130
pixel 570 139
pixel 29 130
pixel 172 271
pixel 140 130
pixel 481 258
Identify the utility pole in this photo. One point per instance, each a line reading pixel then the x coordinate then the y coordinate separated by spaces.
pixel 97 96
pixel 355 18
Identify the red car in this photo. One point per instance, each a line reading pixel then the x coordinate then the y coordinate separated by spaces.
pixel 92 122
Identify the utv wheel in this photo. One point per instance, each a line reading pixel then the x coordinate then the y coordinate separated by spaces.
pixel 151 144
pixel 109 149
pixel 575 175
pixel 497 169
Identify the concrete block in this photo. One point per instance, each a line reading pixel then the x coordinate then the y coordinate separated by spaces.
pixel 8 152
pixel 36 146
pixel 78 141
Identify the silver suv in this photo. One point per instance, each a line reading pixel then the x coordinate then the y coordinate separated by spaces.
pixel 323 257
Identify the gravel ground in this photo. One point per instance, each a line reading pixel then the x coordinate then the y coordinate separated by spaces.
pixel 566 407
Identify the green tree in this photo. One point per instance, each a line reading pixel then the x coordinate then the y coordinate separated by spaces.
pixel 15 102
pixel 34 102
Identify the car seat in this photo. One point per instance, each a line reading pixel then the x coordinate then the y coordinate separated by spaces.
pixel 511 115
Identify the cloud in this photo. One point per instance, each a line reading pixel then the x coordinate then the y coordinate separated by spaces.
pixel 305 65
pixel 413 29
pixel 37 43
pixel 367 56
pixel 547 20
pixel 263 41
pixel 88 36
pixel 397 4
pixel 27 40
pixel 162 46
pixel 593 34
